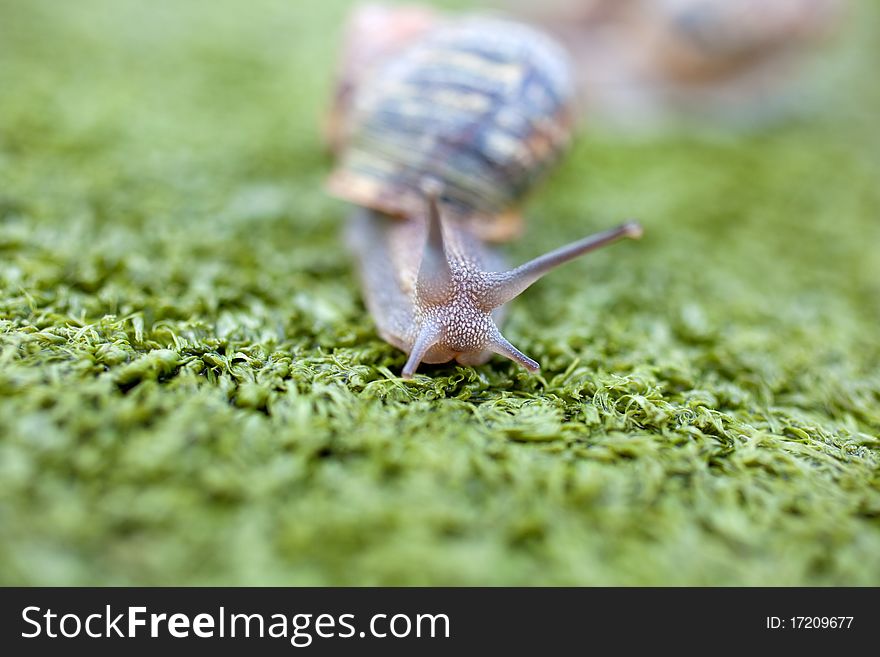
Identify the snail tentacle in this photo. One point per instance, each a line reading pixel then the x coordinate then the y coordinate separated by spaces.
pixel 424 341
pixel 500 345
pixel 507 285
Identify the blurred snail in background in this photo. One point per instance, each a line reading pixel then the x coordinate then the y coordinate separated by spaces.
pixel 712 59
pixel 440 127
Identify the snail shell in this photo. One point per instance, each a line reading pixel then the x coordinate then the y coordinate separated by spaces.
pixel 442 142
pixel 483 105
pixel 373 33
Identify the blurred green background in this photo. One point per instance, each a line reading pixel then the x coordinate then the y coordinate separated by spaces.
pixel 191 391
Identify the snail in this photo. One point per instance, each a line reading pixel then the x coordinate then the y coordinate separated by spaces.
pixel 442 141
pixel 715 61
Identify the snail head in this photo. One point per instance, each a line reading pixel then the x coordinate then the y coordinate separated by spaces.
pixel 455 299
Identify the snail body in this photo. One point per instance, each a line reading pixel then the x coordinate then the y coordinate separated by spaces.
pixel 441 143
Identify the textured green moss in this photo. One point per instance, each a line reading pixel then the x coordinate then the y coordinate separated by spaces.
pixel 191 391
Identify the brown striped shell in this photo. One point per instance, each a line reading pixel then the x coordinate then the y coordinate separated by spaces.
pixel 372 34
pixel 483 106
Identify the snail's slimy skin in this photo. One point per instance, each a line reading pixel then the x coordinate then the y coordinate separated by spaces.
pixel 437 292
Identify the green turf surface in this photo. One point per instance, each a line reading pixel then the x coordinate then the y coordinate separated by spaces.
pixel 191 391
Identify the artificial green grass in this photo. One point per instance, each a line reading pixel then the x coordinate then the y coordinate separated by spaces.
pixel 191 391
